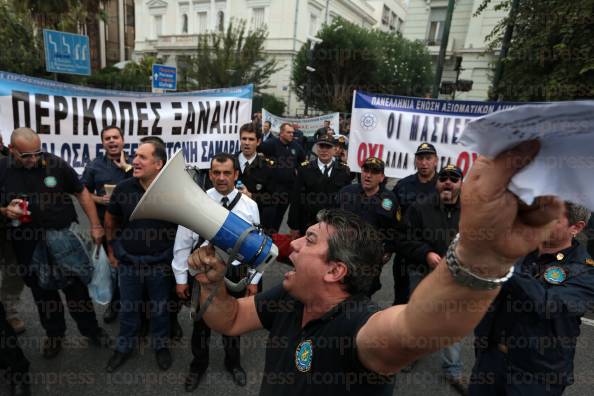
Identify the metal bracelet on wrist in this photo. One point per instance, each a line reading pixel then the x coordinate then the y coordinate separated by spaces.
pixel 465 277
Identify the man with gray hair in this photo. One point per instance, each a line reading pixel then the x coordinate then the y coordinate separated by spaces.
pixel 526 342
pixel 328 338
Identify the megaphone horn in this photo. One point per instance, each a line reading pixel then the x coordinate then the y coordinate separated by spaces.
pixel 174 197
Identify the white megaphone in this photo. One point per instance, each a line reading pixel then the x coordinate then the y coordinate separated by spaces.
pixel 174 196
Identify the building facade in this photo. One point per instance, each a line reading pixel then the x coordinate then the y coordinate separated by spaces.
pixel 425 21
pixel 171 28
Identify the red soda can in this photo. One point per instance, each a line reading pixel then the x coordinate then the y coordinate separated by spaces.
pixel 24 205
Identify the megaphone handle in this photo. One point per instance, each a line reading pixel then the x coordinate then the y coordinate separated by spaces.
pixel 195 301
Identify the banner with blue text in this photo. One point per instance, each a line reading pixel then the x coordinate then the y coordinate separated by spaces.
pixel 392 127
pixel 69 118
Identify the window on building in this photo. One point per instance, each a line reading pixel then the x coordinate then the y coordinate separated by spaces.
pixel 399 25
pixel 393 21
pixel 129 15
pixel 258 14
pixel 386 16
pixel 202 22
pixel 184 27
pixel 313 24
pixel 158 19
pixel 221 21
pixel 436 23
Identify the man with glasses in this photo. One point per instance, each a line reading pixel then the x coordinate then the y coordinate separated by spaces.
pixel 371 201
pixel 42 232
pixel 316 186
pixel 431 226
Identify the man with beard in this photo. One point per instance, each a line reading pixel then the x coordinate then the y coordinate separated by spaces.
pixel 108 169
pixel 409 190
pixel 430 226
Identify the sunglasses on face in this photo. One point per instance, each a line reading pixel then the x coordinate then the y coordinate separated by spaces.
pixel 29 155
pixel 452 178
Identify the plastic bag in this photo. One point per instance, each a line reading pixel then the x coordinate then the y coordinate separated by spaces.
pixel 100 288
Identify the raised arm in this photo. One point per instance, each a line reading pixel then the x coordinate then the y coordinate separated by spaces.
pixel 495 230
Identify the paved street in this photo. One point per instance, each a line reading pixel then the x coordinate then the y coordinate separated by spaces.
pixel 79 369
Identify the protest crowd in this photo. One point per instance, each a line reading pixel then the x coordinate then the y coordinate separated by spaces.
pixel 520 290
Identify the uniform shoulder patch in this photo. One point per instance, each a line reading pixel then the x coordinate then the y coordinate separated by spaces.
pixel 589 261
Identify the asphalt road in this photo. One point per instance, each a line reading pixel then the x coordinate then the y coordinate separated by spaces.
pixel 80 369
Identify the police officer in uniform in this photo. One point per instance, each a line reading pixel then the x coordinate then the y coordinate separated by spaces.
pixel 374 204
pixel 409 190
pixel 525 344
pixel 287 155
pixel 316 187
pixel 255 174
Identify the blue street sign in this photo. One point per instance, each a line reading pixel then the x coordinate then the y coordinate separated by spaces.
pixel 164 77
pixel 66 52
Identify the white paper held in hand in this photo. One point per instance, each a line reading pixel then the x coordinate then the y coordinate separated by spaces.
pixel 564 165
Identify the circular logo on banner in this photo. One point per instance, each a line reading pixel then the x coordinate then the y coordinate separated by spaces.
pixel 50 182
pixel 387 204
pixel 258 187
pixel 368 121
pixel 303 355
pixel 555 275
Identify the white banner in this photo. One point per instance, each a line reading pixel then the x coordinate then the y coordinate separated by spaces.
pixel 69 118
pixel 392 127
pixel 309 126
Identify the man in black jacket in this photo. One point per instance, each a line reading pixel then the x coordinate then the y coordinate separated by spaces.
pixel 256 174
pixel 287 155
pixel 316 187
pixel 409 190
pixel 431 225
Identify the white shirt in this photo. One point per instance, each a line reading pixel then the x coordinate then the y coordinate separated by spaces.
pixel 267 136
pixel 242 160
pixel 186 240
pixel 321 165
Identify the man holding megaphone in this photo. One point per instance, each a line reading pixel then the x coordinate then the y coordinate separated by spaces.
pixel 335 341
pixel 223 174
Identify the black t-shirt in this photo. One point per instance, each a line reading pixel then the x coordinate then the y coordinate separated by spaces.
pixel 47 187
pixel 321 358
pixel 139 237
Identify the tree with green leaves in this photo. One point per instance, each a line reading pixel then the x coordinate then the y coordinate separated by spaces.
pixel 551 51
pixel 19 48
pixel 229 58
pixel 350 58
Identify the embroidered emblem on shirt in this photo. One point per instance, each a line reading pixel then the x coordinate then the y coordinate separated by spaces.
pixel 50 182
pixel 387 204
pixel 304 355
pixel 555 275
